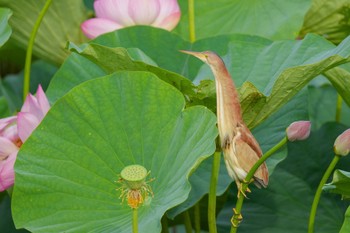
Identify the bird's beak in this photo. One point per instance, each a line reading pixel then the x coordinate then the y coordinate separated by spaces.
pixel 198 55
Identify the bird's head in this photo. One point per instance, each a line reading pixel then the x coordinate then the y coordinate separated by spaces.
pixel 209 57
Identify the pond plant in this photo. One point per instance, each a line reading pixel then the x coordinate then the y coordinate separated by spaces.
pixel 110 123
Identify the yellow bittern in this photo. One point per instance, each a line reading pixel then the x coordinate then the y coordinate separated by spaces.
pixel 241 150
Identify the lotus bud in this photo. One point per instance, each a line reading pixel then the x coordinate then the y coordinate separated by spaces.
pixel 342 143
pixel 299 130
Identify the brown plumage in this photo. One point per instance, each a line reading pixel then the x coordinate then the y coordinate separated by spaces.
pixel 241 150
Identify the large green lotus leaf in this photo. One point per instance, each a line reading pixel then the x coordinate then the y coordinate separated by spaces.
pixel 60 24
pixel 285 205
pixel 271 19
pixel 96 60
pixel 330 19
pixel 66 170
pixel 5 29
pixel 340 184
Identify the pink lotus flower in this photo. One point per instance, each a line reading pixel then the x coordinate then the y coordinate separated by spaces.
pixel 9 146
pixel 298 130
pixel 15 130
pixel 115 14
pixel 342 143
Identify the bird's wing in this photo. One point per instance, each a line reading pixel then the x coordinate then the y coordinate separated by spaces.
pixel 248 153
pixel 248 137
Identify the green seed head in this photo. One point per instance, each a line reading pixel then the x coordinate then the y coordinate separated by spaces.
pixel 134 176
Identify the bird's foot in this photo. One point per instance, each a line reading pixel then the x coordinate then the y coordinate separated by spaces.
pixel 236 219
pixel 242 191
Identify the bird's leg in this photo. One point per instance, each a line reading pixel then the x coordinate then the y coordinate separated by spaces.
pixel 236 219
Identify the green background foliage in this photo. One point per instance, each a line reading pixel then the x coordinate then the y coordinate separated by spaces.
pixel 60 24
pixel 136 78
pixel 5 29
pixel 329 19
pixel 271 19
pixel 340 184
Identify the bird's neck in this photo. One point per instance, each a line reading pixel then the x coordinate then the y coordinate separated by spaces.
pixel 228 104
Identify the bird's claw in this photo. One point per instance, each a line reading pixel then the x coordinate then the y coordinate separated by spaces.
pixel 245 182
pixel 236 219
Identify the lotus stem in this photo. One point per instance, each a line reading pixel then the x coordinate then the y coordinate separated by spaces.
pixel 339 108
pixel 28 61
pixel 212 193
pixel 197 218
pixel 187 221
pixel 236 217
pixel 191 24
pixel 319 191
pixel 135 228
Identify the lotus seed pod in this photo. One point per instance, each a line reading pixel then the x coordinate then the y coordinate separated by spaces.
pixel 134 176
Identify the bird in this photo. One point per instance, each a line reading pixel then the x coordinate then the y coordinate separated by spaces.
pixel 240 148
